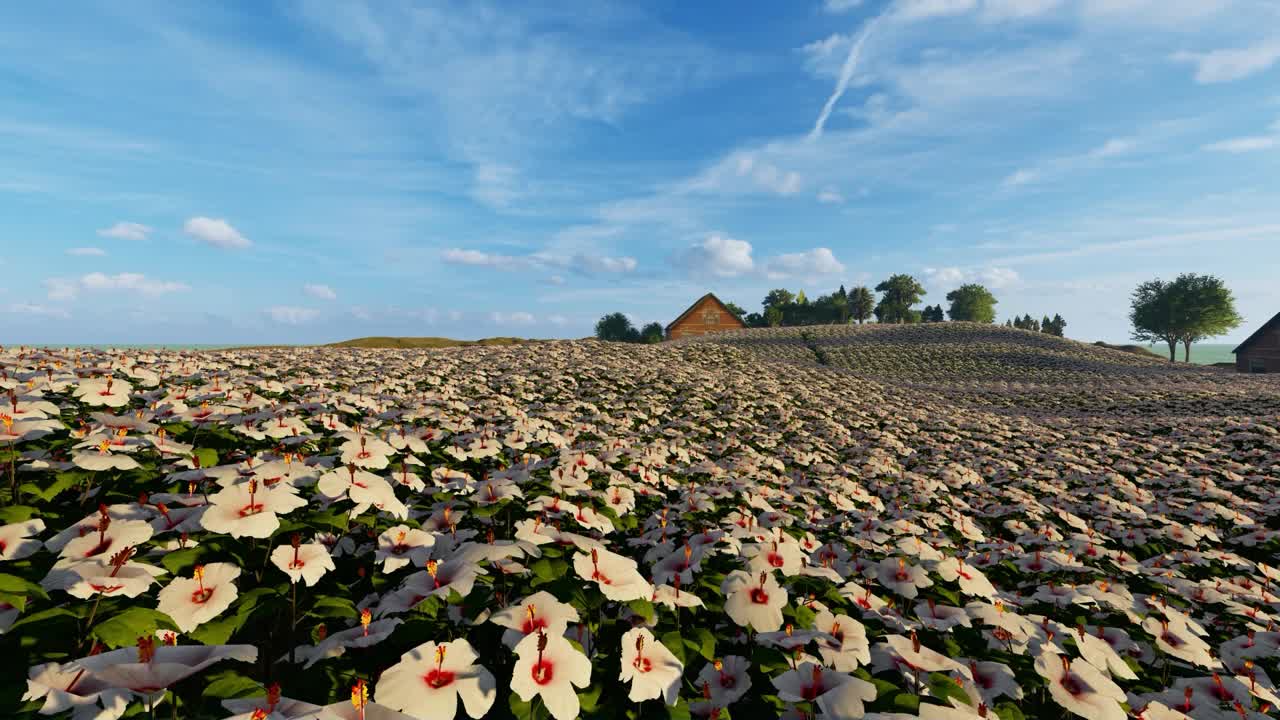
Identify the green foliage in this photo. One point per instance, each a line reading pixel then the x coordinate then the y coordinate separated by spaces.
pixel 1186 310
pixel 899 293
pixel 616 327
pixel 972 303
pixel 124 628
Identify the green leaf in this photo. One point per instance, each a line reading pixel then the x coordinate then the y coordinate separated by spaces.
pixel 679 711
pixel 125 628
pixel 674 643
pixel 231 684
pixel 208 457
pixel 702 640
pixel 590 698
pixel 644 609
pixel 1008 711
pixel 61 482
pixel 945 688
pixel 40 617
pixel 217 632
pixel 333 606
pixel 14 585
pixel 17 514
pixel 179 560
pixel 804 616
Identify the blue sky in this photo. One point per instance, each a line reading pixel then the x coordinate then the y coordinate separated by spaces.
pixel 312 171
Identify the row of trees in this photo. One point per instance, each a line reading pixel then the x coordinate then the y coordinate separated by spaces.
pixel 1185 310
pixel 899 294
pixel 617 327
pixel 1049 326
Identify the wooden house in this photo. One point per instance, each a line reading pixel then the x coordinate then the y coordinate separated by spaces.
pixel 707 315
pixel 1260 353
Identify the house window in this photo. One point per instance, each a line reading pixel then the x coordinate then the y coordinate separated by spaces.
pixel 1257 365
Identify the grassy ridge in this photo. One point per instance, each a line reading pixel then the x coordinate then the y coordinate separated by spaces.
pixel 1131 349
pixel 423 342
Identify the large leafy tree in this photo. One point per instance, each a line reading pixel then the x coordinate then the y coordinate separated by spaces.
pixel 1185 310
pixel 737 310
pixel 900 292
pixel 651 333
pixel 778 298
pixel 861 303
pixel 972 303
pixel 616 327
pixel 1206 308
pixel 1056 326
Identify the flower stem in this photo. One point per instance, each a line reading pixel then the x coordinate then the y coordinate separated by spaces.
pixel 293 620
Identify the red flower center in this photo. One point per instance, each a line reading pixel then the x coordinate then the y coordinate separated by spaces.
pixel 775 560
pixel 1071 684
pixel 105 589
pixel 542 672
pixel 201 596
pixel 759 596
pixel 532 626
pixel 438 678
pixel 251 509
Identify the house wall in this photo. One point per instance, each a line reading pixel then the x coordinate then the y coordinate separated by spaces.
pixel 707 317
pixel 1265 348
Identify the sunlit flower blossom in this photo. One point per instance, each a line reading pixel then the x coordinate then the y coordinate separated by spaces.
pixel 650 668
pixel 193 601
pixel 429 679
pixel 307 562
pixel 547 666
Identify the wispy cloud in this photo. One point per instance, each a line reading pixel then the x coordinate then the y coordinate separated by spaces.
pixel 582 263
pixel 291 315
pixel 127 231
pixel 320 292
pixel 86 251
pixel 34 310
pixel 1227 65
pixel 70 288
pixel 215 232
pixel 1249 143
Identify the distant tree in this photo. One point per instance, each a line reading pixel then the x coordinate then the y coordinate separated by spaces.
pixel 754 320
pixel 736 310
pixel 801 299
pixel 778 298
pixel 972 303
pixel 1054 326
pixel 932 314
pixel 1188 309
pixel 1153 312
pixel 1008 323
pixel 652 333
pixel 772 316
pixel 861 304
pixel 616 327
pixel 900 292
pixel 840 306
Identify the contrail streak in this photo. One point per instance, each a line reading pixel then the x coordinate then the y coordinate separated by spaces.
pixel 846 75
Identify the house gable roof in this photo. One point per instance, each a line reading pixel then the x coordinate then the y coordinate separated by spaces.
pixel 698 302
pixel 1266 326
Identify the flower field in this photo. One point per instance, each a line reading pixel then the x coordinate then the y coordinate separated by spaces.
pixel 941 522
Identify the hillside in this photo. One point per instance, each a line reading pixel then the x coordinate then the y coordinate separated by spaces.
pixel 423 342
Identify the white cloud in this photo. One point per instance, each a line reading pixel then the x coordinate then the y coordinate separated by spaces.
pixel 126 231
pixel 994 10
pixel 583 263
pixel 1219 66
pixel 70 288
pixel 830 196
pixel 87 252
pixel 720 256
pixel 818 261
pixel 290 315
pixel 994 278
pixel 458 256
pixel 556 280
pixel 518 317
pixel 835 7
pixel 322 292
pixel 1244 144
pixel 1112 148
pixel 215 232
pixel 1253 143
pixel 925 9
pixel 558 320
pixel 23 308
pixel 1021 177
pixel 601 264
pixel 494 185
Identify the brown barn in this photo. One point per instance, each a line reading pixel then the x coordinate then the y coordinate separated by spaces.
pixel 707 315
pixel 1260 353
